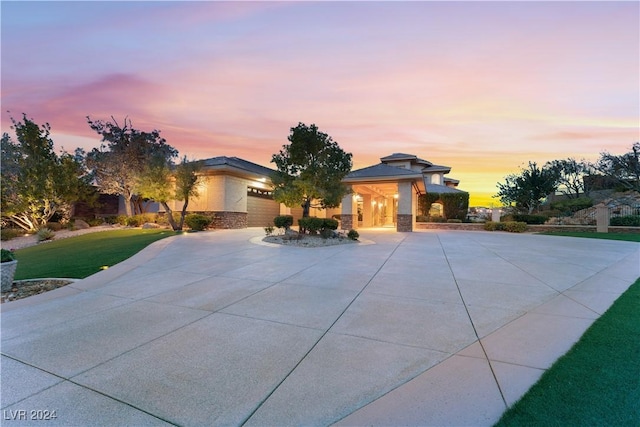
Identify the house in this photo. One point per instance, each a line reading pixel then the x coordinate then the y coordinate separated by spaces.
pixel 386 194
pixel 238 193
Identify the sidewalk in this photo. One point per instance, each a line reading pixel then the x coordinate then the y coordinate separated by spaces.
pixel 425 328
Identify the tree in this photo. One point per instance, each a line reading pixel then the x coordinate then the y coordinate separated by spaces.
pixel 162 183
pixel 625 169
pixel 528 189
pixel 117 166
pixel 570 175
pixel 310 170
pixel 36 182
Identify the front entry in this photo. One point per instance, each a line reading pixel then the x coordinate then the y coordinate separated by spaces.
pixel 380 204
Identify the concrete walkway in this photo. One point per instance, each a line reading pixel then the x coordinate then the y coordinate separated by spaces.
pixel 210 329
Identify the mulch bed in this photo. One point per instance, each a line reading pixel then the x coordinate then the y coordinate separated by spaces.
pixel 27 288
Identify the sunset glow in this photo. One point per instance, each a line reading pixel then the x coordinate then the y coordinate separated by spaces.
pixel 483 87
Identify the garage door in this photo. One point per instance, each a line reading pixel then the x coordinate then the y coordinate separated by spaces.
pixel 261 211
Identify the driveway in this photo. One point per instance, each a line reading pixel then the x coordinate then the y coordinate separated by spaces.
pixel 211 328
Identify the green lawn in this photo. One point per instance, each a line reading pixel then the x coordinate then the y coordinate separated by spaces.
pixel 597 383
pixel 81 256
pixel 628 237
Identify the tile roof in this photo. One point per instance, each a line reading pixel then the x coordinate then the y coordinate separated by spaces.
pixel 380 171
pixel 238 163
pixel 436 188
pixel 404 156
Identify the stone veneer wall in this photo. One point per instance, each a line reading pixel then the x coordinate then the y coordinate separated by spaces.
pixel 347 221
pixel 228 220
pixel 405 222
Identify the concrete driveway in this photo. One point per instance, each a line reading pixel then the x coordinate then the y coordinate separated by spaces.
pixel 212 329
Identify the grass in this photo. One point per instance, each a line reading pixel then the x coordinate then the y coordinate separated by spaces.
pixel 597 383
pixel 628 237
pixel 81 256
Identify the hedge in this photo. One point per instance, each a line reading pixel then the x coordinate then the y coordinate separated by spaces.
pixel 625 221
pixel 313 225
pixel 283 221
pixel 510 226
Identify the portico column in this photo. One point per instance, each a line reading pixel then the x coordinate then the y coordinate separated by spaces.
pixel 367 211
pixel 349 214
pixel 405 206
pixel 388 211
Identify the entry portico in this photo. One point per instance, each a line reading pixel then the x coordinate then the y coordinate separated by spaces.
pixel 386 194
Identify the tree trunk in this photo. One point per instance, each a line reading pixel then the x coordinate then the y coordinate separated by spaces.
pixel 169 214
pixel 306 207
pixel 128 205
pixel 184 212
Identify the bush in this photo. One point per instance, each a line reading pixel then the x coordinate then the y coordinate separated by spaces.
pixel 7 255
pixel 120 219
pixel 315 225
pixel 283 221
pixel 493 226
pixel 45 234
pixel 626 221
pixel 112 219
pixel 10 233
pixel 572 205
pixel 94 222
pixel 529 219
pixel 454 221
pixel 197 222
pixel 436 219
pixel 55 226
pixel 310 224
pixel 268 230
pixel 353 234
pixel 510 226
pixel 133 221
pixel 422 218
pixel 515 227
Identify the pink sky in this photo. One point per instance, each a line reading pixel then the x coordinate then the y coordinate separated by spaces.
pixel 483 87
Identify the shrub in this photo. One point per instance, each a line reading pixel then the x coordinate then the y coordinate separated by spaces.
pixel 7 256
pixel 454 221
pixel 45 234
pixel 133 221
pixel 528 219
pixel 330 224
pixel 572 205
pixel 10 233
pixel 55 226
pixel 283 221
pixel 437 219
pixel 515 227
pixel 422 218
pixel 121 219
pixel 310 224
pixel 94 222
pixel 353 234
pixel 268 230
pixel 493 226
pixel 112 219
pixel 315 225
pixel 626 221
pixel 197 222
